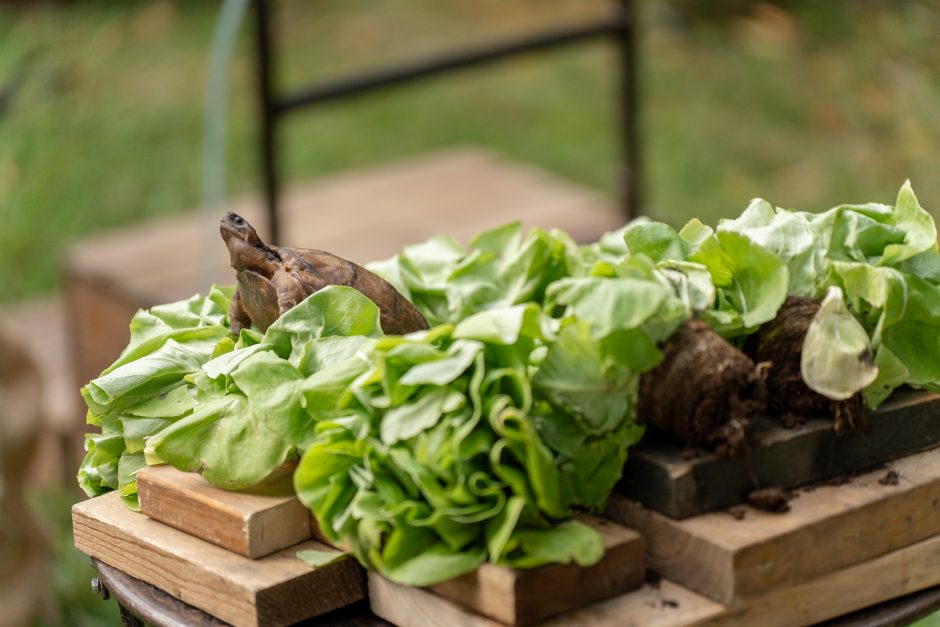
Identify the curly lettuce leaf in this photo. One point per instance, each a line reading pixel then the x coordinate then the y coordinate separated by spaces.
pixel 467 443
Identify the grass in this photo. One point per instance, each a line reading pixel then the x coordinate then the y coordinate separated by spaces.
pixel 821 104
pixel 809 108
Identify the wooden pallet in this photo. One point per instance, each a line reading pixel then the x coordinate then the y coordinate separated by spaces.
pixel 279 589
pixel 827 529
pixel 659 476
pixel 257 524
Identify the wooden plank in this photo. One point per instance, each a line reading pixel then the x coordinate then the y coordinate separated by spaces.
pixel 889 576
pixel 663 605
pixel 253 523
pixel 657 474
pixel 827 528
pixel 278 589
pixel 518 597
pixel 670 605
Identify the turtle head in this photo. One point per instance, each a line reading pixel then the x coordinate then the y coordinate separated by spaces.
pixel 236 228
pixel 244 246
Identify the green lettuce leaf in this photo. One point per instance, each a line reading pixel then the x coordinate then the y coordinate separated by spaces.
pixel 884 259
pixel 837 357
pixel 751 281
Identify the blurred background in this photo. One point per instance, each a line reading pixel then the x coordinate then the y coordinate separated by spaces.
pixel 807 104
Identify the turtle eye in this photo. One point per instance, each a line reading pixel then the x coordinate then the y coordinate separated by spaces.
pixel 238 220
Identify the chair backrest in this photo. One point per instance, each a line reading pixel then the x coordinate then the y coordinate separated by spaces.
pixel 620 26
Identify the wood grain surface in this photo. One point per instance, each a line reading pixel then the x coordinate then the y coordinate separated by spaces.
pixel 278 589
pixel 663 605
pixel 254 523
pixel 892 575
pixel 518 597
pixel 827 529
pixel 667 604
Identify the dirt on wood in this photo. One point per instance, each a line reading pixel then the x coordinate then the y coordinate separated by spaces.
pixel 780 342
pixel 891 478
pixel 770 499
pixel 705 392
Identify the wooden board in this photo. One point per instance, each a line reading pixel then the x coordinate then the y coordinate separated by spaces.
pixel 517 597
pixel 887 577
pixel 663 605
pixel 253 523
pixel 278 589
pixel 670 605
pixel 658 476
pixel 827 529
pixel 258 524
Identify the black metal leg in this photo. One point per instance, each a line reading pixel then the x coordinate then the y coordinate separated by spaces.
pixel 622 28
pixel 629 113
pixel 267 113
pixel 128 619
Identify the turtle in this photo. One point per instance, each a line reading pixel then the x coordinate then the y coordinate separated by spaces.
pixel 272 279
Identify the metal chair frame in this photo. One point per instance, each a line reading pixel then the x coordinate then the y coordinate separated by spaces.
pixel 619 26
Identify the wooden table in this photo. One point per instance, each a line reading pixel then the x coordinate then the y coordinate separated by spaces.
pixel 141 603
